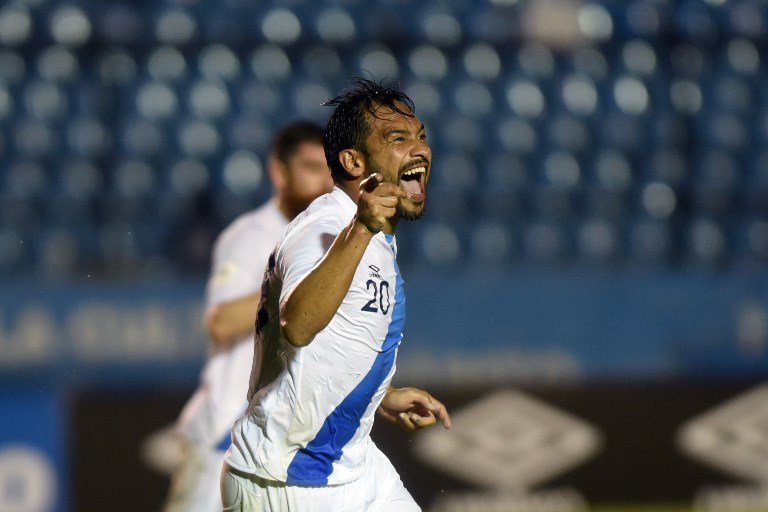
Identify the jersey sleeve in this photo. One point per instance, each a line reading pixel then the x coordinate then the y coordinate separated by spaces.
pixel 239 261
pixel 302 251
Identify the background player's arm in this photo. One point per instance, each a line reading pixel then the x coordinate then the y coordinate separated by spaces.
pixel 314 301
pixel 230 321
pixel 413 409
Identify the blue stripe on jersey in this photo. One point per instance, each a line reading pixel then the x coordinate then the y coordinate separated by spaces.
pixel 395 332
pixel 224 443
pixel 313 464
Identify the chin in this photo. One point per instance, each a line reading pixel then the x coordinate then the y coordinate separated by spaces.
pixel 410 212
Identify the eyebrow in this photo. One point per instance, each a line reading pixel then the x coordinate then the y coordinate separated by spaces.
pixel 401 131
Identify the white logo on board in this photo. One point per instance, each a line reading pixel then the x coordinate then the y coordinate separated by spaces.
pixel 27 480
pixel 509 442
pixel 732 437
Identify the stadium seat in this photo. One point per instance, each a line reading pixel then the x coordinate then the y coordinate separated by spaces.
pixel 642 144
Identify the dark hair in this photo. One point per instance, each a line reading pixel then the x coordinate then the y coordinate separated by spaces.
pixel 348 126
pixel 291 136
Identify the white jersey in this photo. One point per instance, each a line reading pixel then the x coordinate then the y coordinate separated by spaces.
pixel 312 408
pixel 239 260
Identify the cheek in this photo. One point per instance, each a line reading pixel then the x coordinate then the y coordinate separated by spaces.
pixel 312 184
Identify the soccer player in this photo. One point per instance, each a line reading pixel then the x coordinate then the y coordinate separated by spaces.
pixel 299 174
pixel 329 325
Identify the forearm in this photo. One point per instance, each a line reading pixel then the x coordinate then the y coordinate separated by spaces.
pixel 382 409
pixel 315 300
pixel 230 321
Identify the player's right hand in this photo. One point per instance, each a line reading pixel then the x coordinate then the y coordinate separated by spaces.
pixel 377 202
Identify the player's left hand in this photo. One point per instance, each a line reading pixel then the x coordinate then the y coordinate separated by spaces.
pixel 413 409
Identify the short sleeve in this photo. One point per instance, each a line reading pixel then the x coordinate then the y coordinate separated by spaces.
pixel 239 262
pixel 303 249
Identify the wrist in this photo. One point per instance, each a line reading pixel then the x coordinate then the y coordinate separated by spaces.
pixel 360 230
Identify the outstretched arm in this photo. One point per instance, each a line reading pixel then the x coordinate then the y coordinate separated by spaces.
pixel 230 321
pixel 314 301
pixel 413 409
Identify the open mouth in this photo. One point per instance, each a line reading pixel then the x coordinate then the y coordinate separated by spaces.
pixel 413 182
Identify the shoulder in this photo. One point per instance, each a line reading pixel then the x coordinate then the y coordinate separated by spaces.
pixel 314 218
pixel 313 230
pixel 264 223
pixel 323 211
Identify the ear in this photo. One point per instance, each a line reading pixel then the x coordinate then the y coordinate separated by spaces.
pixel 353 162
pixel 276 170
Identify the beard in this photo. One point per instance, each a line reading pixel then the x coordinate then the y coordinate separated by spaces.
pixel 409 215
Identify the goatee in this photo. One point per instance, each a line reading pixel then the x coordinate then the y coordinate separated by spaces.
pixel 403 214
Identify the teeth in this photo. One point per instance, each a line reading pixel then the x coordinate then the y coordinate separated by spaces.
pixel 417 170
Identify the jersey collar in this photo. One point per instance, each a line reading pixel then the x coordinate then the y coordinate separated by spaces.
pixel 346 202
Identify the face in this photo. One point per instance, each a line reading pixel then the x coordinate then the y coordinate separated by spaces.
pixel 306 176
pixel 397 148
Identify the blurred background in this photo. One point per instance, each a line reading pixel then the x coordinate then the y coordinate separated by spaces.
pixel 586 291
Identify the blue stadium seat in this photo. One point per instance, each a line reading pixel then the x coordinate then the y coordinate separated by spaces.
pixel 176 26
pixel 26 179
pixel 307 98
pixel 250 131
pixel 458 132
pixel 492 245
pixel 336 25
pixel 440 245
pixel 651 242
pixel 14 252
pixel 568 134
pixel 473 99
pixel 167 65
pixel 17 24
pixel 428 99
pixel 141 138
pixel 707 244
pixel 715 183
pixel 120 22
pixel 270 64
pixel 546 243
pixel 88 137
pixel 208 99
pixel 516 135
pixel 321 63
pixel 58 253
pixel 599 241
pixel 45 101
pixel 116 66
pixel 756 235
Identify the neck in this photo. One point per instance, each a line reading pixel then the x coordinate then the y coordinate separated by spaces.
pixel 289 210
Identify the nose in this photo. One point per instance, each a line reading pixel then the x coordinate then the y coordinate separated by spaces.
pixel 421 150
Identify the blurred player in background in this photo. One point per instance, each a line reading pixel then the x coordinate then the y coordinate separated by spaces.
pixel 299 174
pixel 329 326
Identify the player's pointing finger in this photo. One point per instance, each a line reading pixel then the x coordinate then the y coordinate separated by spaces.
pixel 370 183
